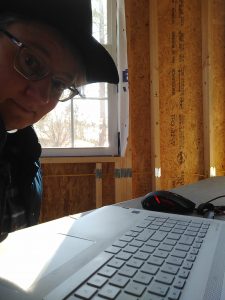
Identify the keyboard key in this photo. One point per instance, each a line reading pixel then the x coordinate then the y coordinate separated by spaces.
pixel 119 281
pixel 141 255
pixel 137 229
pixel 205 226
pixel 136 243
pixel 152 243
pixel 197 245
pixel 174 294
pixel 178 231
pixel 130 249
pixel 178 253
pixel 194 251
pixel 150 269
pixel 191 233
pixel 145 235
pixel 120 244
pixel 159 236
pixel 158 288
pixel 161 253
pixel 157 223
pixel 186 240
pixel 97 281
pixel 167 268
pixel 170 242
pixel 116 263
pixel 126 238
pixel 107 271
pixel 144 224
pixel 195 223
pixel 169 225
pixel 183 223
pixel 147 249
pixel 177 261
pixel 166 229
pixel 165 247
pixel 164 278
pixel 143 278
pixel 131 233
pixel 109 291
pixel 127 271
pixel 187 265
pixel 155 261
pixel 173 236
pixel 85 292
pixel 135 289
pixel 180 227
pixel 191 257
pixel 113 250
pixel 179 283
pixel 182 247
pixel 172 221
pixel 136 263
pixel 183 273
pixel 154 227
pixel 199 240
pixel 123 255
pixel 149 218
pixel 193 228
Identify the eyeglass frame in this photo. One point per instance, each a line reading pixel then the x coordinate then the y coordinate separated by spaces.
pixel 20 46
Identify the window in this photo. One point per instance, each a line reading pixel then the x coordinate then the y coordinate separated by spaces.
pixel 87 126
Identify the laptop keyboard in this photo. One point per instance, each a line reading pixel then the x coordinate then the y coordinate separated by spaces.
pixel 152 261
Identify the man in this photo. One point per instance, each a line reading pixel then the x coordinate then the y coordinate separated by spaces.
pixel 46 52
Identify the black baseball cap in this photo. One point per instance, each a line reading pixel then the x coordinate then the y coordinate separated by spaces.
pixel 73 19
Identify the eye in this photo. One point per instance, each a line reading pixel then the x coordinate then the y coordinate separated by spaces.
pixel 58 85
pixel 31 64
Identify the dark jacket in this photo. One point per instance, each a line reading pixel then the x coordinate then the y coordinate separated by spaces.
pixel 19 163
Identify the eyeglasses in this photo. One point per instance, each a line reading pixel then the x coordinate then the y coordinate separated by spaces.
pixel 30 65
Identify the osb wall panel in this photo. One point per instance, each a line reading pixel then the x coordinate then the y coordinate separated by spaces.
pixel 218 67
pixel 108 186
pixel 137 22
pixel 180 91
pixel 68 189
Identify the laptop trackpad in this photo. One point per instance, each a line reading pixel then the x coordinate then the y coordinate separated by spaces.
pixel 44 253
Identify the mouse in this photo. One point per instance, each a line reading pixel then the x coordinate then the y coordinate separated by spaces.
pixel 167 201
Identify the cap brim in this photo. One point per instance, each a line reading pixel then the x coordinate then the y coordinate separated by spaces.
pixel 100 66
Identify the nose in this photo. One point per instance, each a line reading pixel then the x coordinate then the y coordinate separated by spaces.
pixel 39 90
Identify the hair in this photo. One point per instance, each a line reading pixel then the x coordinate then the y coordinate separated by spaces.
pixel 8 19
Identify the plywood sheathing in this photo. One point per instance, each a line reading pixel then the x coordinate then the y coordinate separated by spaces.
pixel 180 88
pixel 137 23
pixel 68 188
pixel 218 69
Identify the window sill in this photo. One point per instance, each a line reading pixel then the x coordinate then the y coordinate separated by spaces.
pixel 84 159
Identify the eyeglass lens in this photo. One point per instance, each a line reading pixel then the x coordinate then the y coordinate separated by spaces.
pixel 31 66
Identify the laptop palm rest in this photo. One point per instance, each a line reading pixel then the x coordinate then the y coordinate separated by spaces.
pixel 48 251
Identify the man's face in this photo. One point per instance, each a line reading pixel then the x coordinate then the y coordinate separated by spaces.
pixel 24 102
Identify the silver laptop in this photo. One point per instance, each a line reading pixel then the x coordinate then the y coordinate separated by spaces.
pixel 116 253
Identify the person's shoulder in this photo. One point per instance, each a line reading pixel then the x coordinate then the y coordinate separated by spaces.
pixel 25 143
